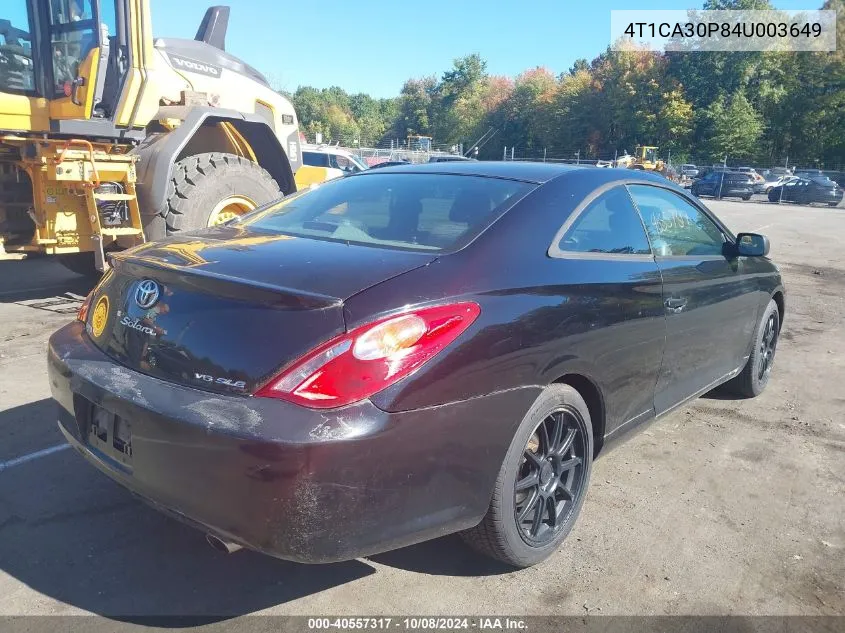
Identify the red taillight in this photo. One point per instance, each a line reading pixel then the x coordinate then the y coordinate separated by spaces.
pixel 355 365
pixel 82 313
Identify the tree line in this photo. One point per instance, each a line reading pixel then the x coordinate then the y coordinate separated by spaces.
pixel 749 106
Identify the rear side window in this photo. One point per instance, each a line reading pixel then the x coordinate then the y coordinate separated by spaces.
pixel 427 212
pixel 676 227
pixel 609 224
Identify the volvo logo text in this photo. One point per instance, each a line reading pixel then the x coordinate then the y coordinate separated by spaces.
pixel 147 294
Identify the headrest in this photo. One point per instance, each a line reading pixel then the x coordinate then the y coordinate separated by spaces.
pixel 470 204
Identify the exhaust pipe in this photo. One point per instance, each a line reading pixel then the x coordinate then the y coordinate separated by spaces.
pixel 227 547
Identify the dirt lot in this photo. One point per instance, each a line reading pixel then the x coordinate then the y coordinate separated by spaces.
pixel 724 507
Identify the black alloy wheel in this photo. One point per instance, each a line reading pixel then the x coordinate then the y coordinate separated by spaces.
pixel 542 483
pixel 754 377
pixel 550 478
pixel 768 346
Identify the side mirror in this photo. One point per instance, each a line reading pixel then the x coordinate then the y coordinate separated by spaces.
pixel 752 245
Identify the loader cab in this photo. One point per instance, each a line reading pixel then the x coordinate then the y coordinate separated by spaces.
pixel 62 63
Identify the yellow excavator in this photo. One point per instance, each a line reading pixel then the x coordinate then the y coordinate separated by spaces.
pixel 644 158
pixel 110 137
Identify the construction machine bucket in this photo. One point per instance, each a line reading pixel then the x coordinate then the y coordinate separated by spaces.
pixel 213 27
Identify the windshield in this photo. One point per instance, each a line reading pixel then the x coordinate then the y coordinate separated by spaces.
pixel 430 212
pixel 16 69
pixel 359 162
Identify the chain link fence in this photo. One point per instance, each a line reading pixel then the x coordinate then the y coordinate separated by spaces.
pixel 679 164
pixel 411 150
pixel 682 169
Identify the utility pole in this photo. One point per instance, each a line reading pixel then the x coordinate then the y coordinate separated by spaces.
pixel 512 148
pixel 505 153
pixel 578 157
pixel 544 154
pixel 722 175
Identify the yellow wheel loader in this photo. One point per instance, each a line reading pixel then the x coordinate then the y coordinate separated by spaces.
pixel 645 158
pixel 110 137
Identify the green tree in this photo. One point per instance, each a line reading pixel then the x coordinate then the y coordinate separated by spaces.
pixel 732 128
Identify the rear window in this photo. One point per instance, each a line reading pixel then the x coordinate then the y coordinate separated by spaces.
pixel 737 177
pixel 426 212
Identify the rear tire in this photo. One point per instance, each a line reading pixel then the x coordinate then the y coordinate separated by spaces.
pixel 746 198
pixel 833 204
pixel 754 377
pixel 199 184
pixel 562 475
pixel 80 263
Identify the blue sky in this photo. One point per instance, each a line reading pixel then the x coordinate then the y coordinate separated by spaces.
pixel 373 46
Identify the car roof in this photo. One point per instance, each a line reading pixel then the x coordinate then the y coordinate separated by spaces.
pixel 323 149
pixel 531 172
pixel 527 171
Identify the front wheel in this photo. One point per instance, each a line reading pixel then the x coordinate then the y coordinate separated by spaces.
pixel 542 482
pixel 746 198
pixel 755 375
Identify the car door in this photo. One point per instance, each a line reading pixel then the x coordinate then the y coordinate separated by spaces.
pixel 793 190
pixel 708 185
pixel 711 306
pixel 614 300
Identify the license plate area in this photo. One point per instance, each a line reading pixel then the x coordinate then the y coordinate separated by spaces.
pixel 105 433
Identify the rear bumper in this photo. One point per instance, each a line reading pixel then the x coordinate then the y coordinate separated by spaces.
pixel 302 485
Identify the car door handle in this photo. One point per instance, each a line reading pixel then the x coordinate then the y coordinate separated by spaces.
pixel 675 304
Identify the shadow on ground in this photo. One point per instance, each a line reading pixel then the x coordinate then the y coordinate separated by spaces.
pixel 39 278
pixel 74 536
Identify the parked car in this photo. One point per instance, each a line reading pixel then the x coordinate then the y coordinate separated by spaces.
pixel 808 173
pixel 724 184
pixel 411 351
pixel 807 191
pixel 776 172
pixel 774 181
pixel 325 162
pixel 688 170
pixel 750 171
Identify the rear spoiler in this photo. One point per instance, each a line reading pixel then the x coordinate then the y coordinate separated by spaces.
pixel 141 266
pixel 213 27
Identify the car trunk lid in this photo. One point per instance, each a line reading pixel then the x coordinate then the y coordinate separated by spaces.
pixel 233 305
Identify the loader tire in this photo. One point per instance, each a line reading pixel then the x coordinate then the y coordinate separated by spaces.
pixel 200 183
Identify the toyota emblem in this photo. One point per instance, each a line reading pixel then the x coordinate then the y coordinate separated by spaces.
pixel 147 294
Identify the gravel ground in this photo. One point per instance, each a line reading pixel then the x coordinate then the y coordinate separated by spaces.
pixel 723 507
